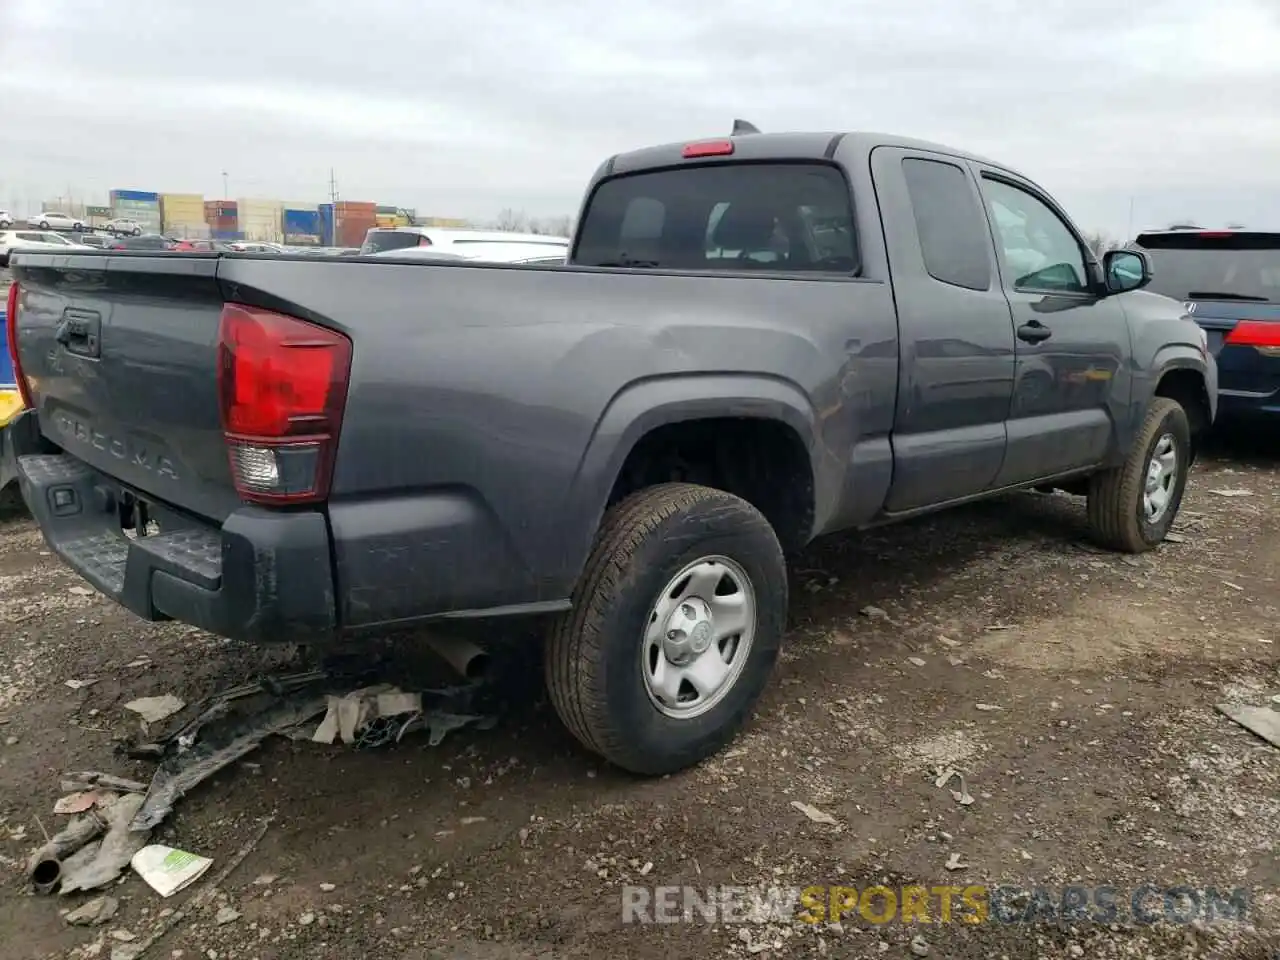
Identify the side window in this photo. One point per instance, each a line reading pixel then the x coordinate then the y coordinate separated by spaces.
pixel 1040 251
pixel 954 237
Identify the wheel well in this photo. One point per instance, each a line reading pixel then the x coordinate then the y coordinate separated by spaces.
pixel 1186 387
pixel 763 461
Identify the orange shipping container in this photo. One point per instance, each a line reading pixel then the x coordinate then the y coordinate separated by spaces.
pixel 351 229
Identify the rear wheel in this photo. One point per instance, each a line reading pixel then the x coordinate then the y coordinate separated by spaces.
pixel 1132 507
pixel 44 224
pixel 675 628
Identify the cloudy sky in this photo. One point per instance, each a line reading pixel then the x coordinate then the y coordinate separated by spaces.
pixel 461 109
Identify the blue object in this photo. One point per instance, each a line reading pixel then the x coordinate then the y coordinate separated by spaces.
pixel 7 378
pixel 302 226
pixel 143 195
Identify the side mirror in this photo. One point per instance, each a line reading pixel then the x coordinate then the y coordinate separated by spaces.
pixel 1126 270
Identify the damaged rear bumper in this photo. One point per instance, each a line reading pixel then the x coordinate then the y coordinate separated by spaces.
pixel 262 576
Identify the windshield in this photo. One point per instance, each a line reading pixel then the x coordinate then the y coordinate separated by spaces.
pixel 785 217
pixel 1190 266
pixel 379 241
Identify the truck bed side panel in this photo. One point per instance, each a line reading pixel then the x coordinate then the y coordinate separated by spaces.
pixel 476 393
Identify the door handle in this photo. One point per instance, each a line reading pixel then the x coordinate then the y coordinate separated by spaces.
pixel 1034 332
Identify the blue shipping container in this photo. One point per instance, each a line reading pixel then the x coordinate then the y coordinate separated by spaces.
pixel 141 195
pixel 228 235
pixel 326 224
pixel 302 226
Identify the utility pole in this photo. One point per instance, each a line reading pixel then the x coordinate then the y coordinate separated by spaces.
pixel 226 191
pixel 1130 237
pixel 333 199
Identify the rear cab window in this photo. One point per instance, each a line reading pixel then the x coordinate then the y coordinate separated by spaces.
pixel 788 217
pixel 1209 265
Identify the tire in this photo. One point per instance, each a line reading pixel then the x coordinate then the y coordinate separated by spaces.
pixel 44 224
pixel 598 654
pixel 1117 513
pixel 137 231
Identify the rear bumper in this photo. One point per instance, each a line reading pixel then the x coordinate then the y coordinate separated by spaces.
pixel 263 576
pixel 1245 405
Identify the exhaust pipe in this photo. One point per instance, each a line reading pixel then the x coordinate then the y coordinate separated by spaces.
pixel 44 869
pixel 465 657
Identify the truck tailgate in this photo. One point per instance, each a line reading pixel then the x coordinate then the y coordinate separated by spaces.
pixel 121 353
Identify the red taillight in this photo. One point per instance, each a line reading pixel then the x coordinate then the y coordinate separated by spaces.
pixel 282 384
pixel 11 336
pixel 423 242
pixel 1262 335
pixel 1215 234
pixel 708 148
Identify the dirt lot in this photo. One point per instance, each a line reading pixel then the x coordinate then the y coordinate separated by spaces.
pixel 1105 763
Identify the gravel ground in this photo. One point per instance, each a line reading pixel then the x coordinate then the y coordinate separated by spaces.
pixel 1074 690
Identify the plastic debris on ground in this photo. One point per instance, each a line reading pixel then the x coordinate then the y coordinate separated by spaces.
pixel 1260 721
pixel 114 816
pixel 369 716
pixel 156 709
pixel 93 912
pixel 167 869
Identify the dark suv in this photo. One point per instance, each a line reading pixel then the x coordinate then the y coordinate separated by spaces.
pixel 1230 283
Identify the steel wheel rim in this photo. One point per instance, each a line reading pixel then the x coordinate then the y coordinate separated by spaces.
pixel 1162 475
pixel 697 637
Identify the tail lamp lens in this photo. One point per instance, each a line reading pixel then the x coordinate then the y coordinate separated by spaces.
pixel 282 385
pixel 1262 335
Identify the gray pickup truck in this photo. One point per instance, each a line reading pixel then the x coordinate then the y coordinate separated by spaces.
pixel 755 341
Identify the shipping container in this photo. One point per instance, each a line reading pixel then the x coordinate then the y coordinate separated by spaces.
pixel 182 215
pixel 388 220
pixel 326 225
pixel 228 235
pixel 351 229
pixel 188 231
pixel 356 208
pixel 383 208
pixel 456 223
pixel 142 196
pixel 260 219
pixel 302 224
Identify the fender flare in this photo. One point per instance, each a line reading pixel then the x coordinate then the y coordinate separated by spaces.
pixel 643 406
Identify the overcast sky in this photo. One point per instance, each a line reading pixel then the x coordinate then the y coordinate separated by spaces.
pixel 461 109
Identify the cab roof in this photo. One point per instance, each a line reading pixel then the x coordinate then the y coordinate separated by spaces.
pixel 780 146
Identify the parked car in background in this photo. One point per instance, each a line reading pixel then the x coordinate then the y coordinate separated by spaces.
pixel 256 246
pixel 497 252
pixel 54 220
pixel 757 340
pixel 124 226
pixel 91 240
pixel 147 241
pixel 11 240
pixel 1229 281
pixel 6 219
pixel 384 239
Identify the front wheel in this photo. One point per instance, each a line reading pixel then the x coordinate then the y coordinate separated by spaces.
pixel 44 224
pixel 675 628
pixel 137 231
pixel 1132 507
